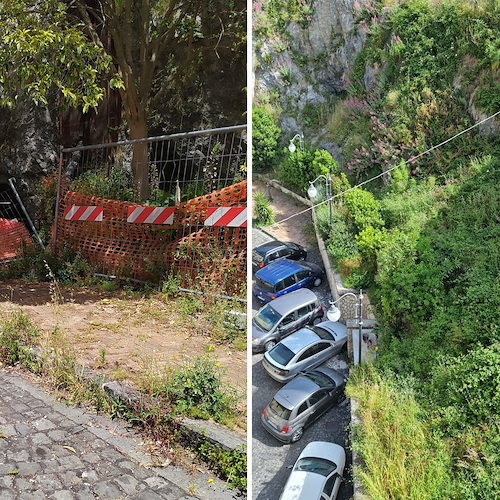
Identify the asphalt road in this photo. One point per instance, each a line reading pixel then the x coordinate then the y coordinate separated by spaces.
pixel 270 458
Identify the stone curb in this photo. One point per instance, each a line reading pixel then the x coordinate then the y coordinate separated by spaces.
pixel 215 433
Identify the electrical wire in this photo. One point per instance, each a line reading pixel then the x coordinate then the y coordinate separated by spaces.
pixel 413 158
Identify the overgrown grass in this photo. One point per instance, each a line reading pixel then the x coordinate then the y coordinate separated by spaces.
pixel 401 457
pixel 196 389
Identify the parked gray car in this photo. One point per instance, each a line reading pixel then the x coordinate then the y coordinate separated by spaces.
pixel 283 316
pixel 317 473
pixel 304 350
pixel 301 402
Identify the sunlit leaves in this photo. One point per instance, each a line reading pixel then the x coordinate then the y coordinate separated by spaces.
pixel 38 50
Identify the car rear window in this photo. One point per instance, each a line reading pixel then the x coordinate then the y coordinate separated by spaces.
pixel 314 464
pixel 322 333
pixel 266 318
pixel 268 287
pixel 281 354
pixel 279 410
pixel 319 379
pixel 256 257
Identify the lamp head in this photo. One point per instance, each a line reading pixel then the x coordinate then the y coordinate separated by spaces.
pixel 291 147
pixel 312 191
pixel 333 314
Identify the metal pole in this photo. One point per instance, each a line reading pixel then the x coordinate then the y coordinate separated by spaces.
pixel 360 323
pixel 56 214
pixel 329 194
pixel 11 182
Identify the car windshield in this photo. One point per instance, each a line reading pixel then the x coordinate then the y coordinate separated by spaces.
pixel 268 287
pixel 303 265
pixel 266 318
pixel 322 333
pixel 317 465
pixel 279 410
pixel 319 378
pixel 256 257
pixel 281 354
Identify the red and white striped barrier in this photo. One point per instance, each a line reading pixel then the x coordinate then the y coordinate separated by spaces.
pixel 83 213
pixel 151 215
pixel 226 216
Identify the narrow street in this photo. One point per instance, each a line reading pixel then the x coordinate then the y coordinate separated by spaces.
pixel 270 458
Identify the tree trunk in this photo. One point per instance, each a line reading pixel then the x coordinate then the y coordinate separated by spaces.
pixel 140 164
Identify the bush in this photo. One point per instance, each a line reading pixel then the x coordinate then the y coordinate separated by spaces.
pixel 363 209
pixel 466 388
pixel 301 167
pixel 266 137
pixel 341 243
pixel 263 213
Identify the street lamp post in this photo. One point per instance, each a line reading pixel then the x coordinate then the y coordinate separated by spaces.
pixel 333 314
pixel 292 147
pixel 312 191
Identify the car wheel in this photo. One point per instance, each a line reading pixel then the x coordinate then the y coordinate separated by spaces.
pixel 317 321
pixel 341 398
pixel 297 435
pixel 269 345
pixel 317 282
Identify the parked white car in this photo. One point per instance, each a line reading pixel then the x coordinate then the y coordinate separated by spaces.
pixel 317 473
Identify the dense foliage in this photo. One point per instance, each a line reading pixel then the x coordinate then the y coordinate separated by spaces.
pixel 425 238
pixel 266 137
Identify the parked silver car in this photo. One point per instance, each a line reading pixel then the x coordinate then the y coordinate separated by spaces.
pixel 317 473
pixel 283 316
pixel 301 402
pixel 304 350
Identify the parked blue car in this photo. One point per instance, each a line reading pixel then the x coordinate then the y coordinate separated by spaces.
pixel 285 276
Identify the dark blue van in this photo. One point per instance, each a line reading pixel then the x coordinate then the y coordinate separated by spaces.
pixel 284 276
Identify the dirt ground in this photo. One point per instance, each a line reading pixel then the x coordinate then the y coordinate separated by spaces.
pixel 292 229
pixel 126 335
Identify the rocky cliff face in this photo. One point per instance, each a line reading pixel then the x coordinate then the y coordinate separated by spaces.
pixel 314 67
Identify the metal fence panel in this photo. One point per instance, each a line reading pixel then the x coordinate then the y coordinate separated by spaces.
pixel 188 174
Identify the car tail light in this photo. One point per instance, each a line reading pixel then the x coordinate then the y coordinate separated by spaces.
pixel 273 297
pixel 264 412
pixel 284 372
pixel 261 264
pixel 321 307
pixel 285 429
pixel 253 285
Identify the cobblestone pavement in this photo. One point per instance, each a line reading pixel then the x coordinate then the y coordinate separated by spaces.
pixel 49 450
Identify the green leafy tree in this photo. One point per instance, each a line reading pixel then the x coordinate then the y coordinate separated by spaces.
pixel 144 48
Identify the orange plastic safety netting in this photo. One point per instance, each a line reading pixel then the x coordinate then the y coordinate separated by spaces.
pixel 13 235
pixel 192 251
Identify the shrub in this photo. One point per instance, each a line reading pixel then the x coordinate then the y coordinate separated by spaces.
pixel 341 243
pixel 266 137
pixel 363 209
pixel 301 167
pixel 263 213
pixel 466 388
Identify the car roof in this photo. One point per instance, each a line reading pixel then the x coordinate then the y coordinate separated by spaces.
pixel 308 485
pixel 295 391
pixel 278 270
pixel 293 300
pixel 324 449
pixel 303 486
pixel 300 339
pixel 269 245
